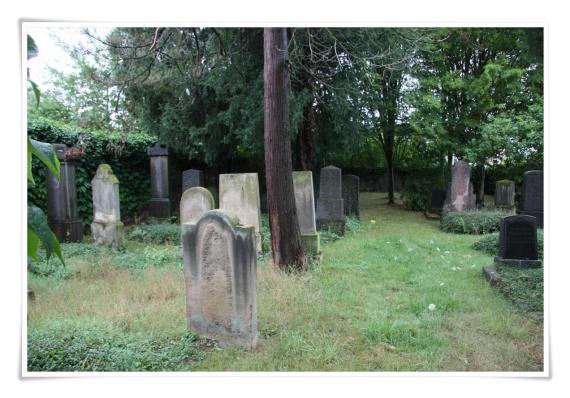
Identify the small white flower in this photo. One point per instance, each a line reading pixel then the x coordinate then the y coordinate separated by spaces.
pixel 437 248
pixel 441 284
pixel 431 241
pixel 431 307
pixel 446 252
pixel 409 249
pixel 454 268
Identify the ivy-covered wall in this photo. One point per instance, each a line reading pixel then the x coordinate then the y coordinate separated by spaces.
pixel 130 164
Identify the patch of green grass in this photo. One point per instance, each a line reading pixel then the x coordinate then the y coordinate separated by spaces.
pixel 472 222
pixel 524 286
pixel 155 233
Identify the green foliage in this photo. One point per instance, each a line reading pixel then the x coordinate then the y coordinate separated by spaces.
pixel 76 347
pixel 524 286
pixel 352 224
pixel 416 193
pixel 126 155
pixel 489 244
pixel 472 222
pixel 39 231
pixel 155 233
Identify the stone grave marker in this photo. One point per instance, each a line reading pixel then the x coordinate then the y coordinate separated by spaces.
pixel 532 203
pixel 195 202
pixel 159 205
pixel 351 195
pixel 192 178
pixel 505 195
pixel 239 193
pixel 330 205
pixel 62 207
pixel 220 277
pixel 106 228
pixel 305 204
pixel 460 193
pixel 518 242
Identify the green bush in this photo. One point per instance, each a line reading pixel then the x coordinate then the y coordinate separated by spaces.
pixel 524 286
pixel 75 348
pixel 472 222
pixel 129 162
pixel 489 244
pixel 155 233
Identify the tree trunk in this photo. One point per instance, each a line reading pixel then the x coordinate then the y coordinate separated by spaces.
pixel 285 234
pixel 481 189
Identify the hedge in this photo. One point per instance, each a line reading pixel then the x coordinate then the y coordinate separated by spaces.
pixel 472 222
pixel 130 164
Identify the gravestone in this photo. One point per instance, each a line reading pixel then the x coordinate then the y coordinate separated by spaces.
pixel 159 205
pixel 220 277
pixel 532 203
pixel 305 204
pixel 330 205
pixel 192 178
pixel 62 208
pixel 472 197
pixel 106 228
pixel 460 193
pixel 437 200
pixel 351 195
pixel 239 193
pixel 195 202
pixel 518 242
pixel 505 195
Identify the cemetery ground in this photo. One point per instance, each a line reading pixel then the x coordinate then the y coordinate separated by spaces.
pixel 366 307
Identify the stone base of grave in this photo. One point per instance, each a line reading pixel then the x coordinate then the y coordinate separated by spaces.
pixel 506 209
pixel 67 230
pixel 311 243
pixel 492 275
pixel 539 215
pixel 336 226
pixel 518 263
pixel 433 214
pixel 108 234
pixel 159 208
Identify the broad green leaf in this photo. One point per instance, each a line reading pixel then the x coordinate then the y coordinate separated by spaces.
pixel 45 153
pixel 37 92
pixel 32 48
pixel 33 244
pixel 37 222
pixel 30 175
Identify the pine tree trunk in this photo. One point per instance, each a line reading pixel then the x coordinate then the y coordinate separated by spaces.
pixel 285 234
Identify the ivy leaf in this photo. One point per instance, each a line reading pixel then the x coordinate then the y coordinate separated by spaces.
pixel 37 92
pixel 40 232
pixel 44 152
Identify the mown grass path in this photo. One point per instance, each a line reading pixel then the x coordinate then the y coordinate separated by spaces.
pixel 365 308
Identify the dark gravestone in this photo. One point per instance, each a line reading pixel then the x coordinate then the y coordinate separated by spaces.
pixel 437 200
pixel 159 205
pixel 532 203
pixel 351 195
pixel 62 209
pixel 517 242
pixel 192 178
pixel 330 205
pixel 505 195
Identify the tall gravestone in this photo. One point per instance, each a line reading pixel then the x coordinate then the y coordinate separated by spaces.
pixel 106 228
pixel 330 205
pixel 62 208
pixel 351 195
pixel 220 276
pixel 239 193
pixel 195 202
pixel 159 205
pixel 505 195
pixel 437 200
pixel 518 242
pixel 460 193
pixel 192 178
pixel 532 203
pixel 305 204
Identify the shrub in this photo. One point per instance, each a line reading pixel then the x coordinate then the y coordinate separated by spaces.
pixel 472 222
pixel 524 286
pixel 155 233
pixel 416 194
pixel 489 244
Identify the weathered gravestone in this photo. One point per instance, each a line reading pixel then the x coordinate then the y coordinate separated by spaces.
pixel 220 274
pixel 192 178
pixel 330 205
pixel 518 242
pixel 460 193
pixel 62 209
pixel 305 204
pixel 532 203
pixel 351 195
pixel 239 193
pixel 505 195
pixel 106 228
pixel 437 200
pixel 195 202
pixel 159 205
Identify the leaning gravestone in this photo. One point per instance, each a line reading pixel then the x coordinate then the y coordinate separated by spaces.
pixel 159 205
pixel 351 195
pixel 505 195
pixel 518 242
pixel 220 274
pixel 107 228
pixel 195 202
pixel 460 195
pixel 533 196
pixel 305 204
pixel 239 193
pixel 192 178
pixel 62 208
pixel 330 205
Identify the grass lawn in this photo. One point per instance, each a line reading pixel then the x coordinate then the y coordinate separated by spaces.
pixel 365 308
